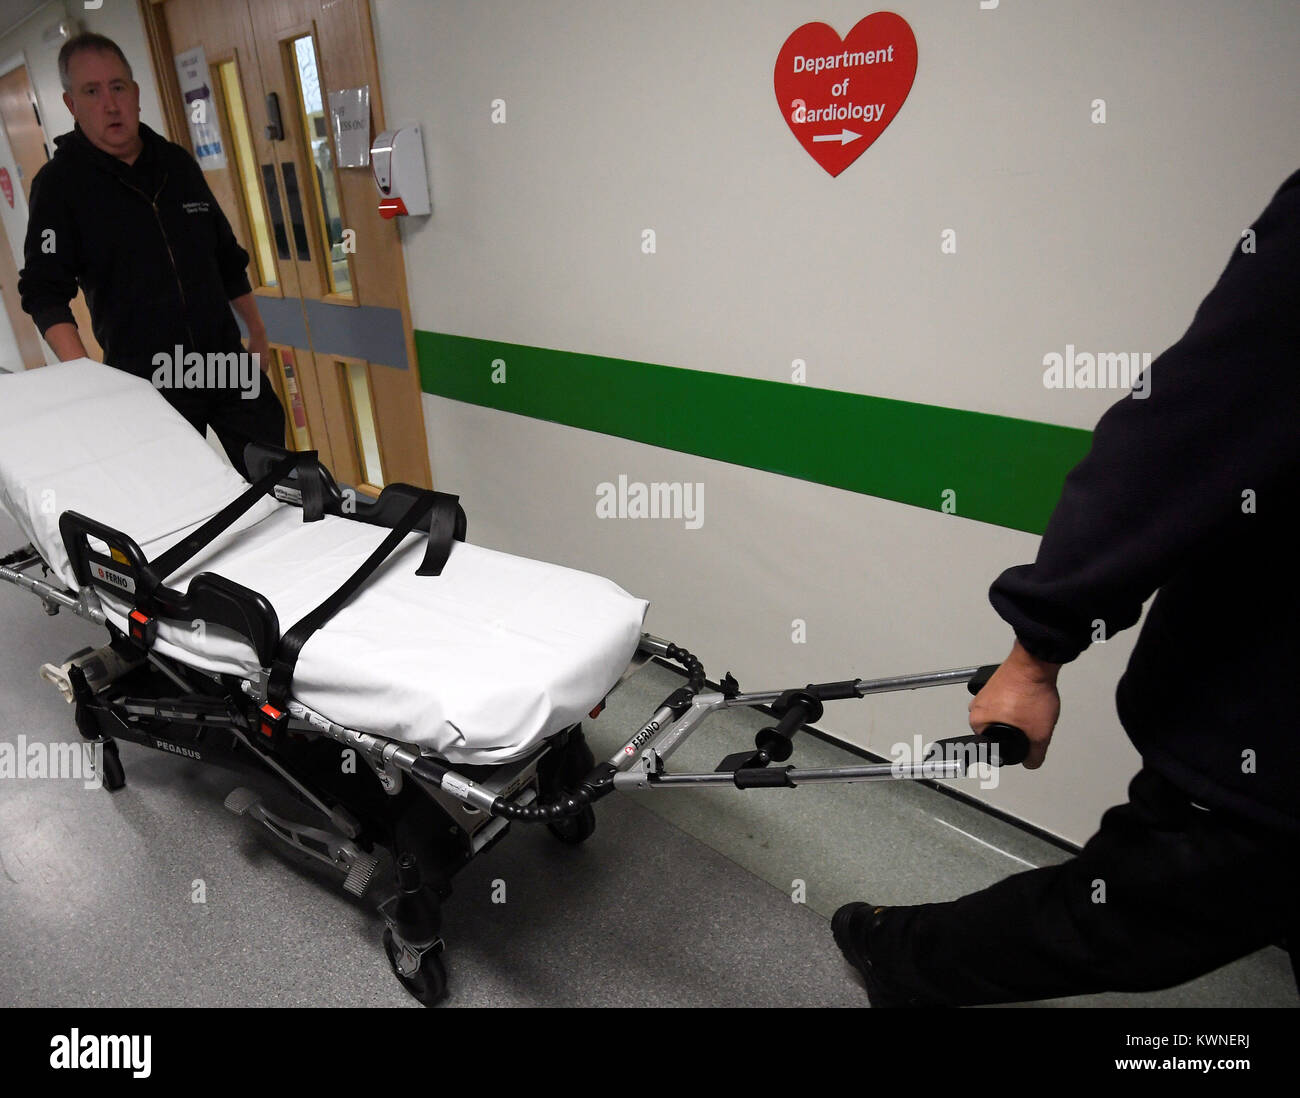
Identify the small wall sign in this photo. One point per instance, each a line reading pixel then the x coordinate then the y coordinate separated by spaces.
pixel 205 130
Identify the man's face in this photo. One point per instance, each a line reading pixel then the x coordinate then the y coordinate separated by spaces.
pixel 105 101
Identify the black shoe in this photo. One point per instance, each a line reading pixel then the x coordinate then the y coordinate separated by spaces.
pixel 852 926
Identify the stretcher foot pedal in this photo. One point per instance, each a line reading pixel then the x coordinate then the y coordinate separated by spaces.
pixel 357 865
pixel 241 800
pixel 361 874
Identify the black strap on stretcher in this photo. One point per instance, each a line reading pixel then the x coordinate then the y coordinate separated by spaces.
pixel 142 620
pixel 442 510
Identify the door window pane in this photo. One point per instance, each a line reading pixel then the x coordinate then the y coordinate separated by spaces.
pixel 324 181
pixel 296 221
pixel 363 423
pixel 277 213
pixel 246 170
pixel 299 435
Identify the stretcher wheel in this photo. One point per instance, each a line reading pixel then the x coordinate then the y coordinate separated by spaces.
pixel 574 829
pixel 429 984
pixel 114 776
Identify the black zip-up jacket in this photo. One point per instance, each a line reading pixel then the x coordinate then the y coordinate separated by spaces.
pixel 148 244
pixel 1190 493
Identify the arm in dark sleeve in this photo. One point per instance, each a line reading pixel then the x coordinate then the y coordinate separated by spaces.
pixel 48 281
pixel 232 260
pixel 1166 473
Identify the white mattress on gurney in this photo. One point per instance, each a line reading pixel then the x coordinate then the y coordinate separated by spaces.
pixel 478 664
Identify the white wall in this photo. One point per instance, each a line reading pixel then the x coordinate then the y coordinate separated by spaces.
pixel 625 115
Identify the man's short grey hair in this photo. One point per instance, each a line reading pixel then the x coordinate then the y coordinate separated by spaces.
pixel 80 43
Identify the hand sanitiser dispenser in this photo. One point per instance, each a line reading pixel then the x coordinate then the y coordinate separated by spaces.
pixel 397 160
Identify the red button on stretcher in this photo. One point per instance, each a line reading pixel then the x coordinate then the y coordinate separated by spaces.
pixel 142 627
pixel 271 719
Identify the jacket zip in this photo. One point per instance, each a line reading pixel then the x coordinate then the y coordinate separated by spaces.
pixel 180 286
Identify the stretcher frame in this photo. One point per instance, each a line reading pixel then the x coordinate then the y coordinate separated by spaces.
pixel 432 817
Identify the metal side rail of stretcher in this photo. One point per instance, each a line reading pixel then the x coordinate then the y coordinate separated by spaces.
pixel 128 691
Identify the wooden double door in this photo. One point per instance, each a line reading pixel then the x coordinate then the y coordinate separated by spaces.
pixel 253 87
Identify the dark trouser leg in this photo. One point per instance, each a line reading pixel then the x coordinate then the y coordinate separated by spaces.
pixel 1162 893
pixel 238 422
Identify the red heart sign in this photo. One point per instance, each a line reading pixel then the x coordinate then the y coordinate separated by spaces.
pixel 837 96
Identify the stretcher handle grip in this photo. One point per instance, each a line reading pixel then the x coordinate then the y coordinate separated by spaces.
pixel 1006 744
pixel 980 679
pixel 835 691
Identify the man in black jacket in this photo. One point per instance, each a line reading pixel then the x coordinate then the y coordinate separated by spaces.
pixel 128 216
pixel 1185 493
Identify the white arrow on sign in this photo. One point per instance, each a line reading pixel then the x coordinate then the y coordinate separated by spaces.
pixel 843 137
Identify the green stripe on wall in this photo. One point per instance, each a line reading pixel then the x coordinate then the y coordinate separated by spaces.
pixel 1004 471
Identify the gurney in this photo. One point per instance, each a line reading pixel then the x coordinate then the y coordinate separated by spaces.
pixel 454 679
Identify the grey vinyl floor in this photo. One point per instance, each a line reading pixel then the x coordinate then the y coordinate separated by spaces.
pixel 679 899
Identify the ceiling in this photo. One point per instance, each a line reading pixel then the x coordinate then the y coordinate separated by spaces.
pixel 13 12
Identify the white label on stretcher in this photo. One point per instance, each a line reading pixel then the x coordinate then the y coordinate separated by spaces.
pixel 288 495
pixel 119 580
pixel 457 788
